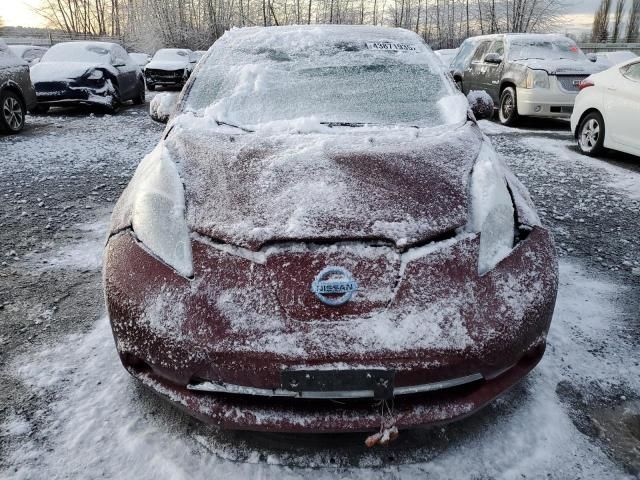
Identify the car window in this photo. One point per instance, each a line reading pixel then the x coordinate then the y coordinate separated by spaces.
pixel 544 48
pixel 481 51
pixel 632 71
pixel 31 54
pixel 497 47
pixel 78 52
pixel 462 58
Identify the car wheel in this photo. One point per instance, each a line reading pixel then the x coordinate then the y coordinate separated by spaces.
pixel 114 106
pixel 508 111
pixel 39 109
pixel 591 134
pixel 13 112
pixel 140 98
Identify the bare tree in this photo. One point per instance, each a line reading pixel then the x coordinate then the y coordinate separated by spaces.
pixel 600 30
pixel 633 27
pixel 617 20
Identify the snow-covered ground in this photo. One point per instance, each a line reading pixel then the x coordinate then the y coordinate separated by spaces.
pixel 69 410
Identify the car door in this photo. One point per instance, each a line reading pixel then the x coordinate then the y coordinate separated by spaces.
pixel 491 73
pixel 472 75
pixel 622 100
pixel 127 73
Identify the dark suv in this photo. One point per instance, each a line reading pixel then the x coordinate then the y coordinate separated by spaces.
pixel 525 74
pixel 16 92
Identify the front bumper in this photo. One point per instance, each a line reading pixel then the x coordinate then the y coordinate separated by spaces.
pixel 165 78
pixel 173 333
pixel 70 93
pixel 554 102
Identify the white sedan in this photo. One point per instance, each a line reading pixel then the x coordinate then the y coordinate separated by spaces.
pixel 607 110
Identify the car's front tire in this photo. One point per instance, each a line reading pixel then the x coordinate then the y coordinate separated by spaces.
pixel 12 113
pixel 140 98
pixel 114 106
pixel 508 111
pixel 591 134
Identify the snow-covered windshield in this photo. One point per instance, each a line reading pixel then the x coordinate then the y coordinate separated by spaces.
pixel 171 55
pixel 544 49
pixel 283 75
pixel 78 52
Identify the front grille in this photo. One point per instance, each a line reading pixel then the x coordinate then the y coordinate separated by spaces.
pixel 571 83
pixel 162 74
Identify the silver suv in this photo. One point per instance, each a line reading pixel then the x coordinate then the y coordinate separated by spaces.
pixel 16 91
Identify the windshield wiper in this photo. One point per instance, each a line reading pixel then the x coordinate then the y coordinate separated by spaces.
pixel 220 122
pixel 361 124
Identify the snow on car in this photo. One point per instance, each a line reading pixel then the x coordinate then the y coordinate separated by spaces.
pixel 446 55
pixel 170 67
pixel 88 73
pixel 606 110
pixel 29 53
pixel 525 74
pixel 609 59
pixel 328 223
pixel 141 59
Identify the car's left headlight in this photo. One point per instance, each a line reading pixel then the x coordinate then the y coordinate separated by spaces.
pixel 95 75
pixel 492 211
pixel 536 79
pixel 158 214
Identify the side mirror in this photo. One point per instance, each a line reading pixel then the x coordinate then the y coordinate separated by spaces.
pixel 481 104
pixel 493 58
pixel 163 105
pixel 592 57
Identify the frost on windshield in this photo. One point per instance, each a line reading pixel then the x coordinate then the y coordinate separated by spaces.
pixel 544 47
pixel 335 75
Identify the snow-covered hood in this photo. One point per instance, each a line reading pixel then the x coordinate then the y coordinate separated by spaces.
pixel 562 67
pixel 405 186
pixel 166 65
pixel 62 71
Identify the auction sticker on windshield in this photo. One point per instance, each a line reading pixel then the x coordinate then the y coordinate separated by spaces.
pixel 397 47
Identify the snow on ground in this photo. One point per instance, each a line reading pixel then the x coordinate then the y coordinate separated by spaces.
pixel 619 178
pixel 117 430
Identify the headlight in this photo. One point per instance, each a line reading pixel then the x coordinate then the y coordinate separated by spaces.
pixel 492 213
pixel 158 216
pixel 95 75
pixel 537 79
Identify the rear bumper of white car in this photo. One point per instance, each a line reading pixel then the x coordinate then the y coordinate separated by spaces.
pixel 546 102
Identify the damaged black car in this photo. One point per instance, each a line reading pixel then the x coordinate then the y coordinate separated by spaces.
pixel 87 73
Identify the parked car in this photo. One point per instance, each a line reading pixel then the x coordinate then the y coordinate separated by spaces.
pixel 16 92
pixel 141 59
pixel 610 59
pixel 87 73
pixel 29 53
pixel 170 67
pixel 325 230
pixel 446 55
pixel 525 74
pixel 607 111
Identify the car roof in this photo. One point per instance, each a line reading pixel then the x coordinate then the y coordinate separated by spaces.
pixel 108 45
pixel 510 36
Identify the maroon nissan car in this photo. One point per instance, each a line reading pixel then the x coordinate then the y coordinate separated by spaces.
pixel 323 234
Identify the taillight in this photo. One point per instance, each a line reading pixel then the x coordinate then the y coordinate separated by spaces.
pixel 586 84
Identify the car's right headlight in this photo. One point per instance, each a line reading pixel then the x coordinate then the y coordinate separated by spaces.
pixel 536 79
pixel 492 211
pixel 158 214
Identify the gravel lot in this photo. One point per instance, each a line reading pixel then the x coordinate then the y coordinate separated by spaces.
pixel 68 410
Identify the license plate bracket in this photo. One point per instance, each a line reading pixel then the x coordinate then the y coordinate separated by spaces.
pixel 379 381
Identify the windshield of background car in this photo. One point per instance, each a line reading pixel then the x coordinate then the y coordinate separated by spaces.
pixel 172 55
pixel 556 49
pixel 343 81
pixel 77 52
